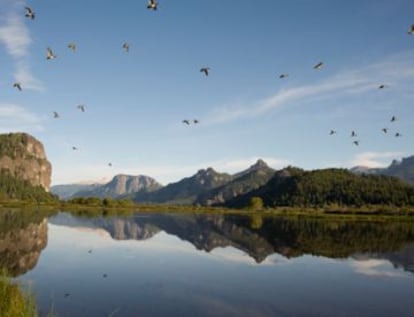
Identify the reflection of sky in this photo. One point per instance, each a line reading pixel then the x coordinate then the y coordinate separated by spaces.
pixel 165 276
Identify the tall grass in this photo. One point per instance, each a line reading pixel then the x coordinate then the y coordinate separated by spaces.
pixel 13 301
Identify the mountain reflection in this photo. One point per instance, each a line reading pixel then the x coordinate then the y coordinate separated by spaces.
pixel 260 237
pixel 22 241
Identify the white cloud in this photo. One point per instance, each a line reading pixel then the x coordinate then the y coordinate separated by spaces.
pixel 373 267
pixel 15 36
pixel 14 118
pixel 395 69
pixel 375 159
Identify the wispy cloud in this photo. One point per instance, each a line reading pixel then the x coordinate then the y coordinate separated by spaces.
pixel 395 69
pixel 373 267
pixel 15 37
pixel 14 118
pixel 375 159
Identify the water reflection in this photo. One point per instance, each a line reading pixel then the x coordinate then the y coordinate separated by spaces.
pixel 23 236
pixel 213 265
pixel 260 237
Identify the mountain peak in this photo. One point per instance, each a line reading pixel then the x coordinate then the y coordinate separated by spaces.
pixel 259 164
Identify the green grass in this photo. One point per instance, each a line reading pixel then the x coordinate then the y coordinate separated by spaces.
pixel 14 302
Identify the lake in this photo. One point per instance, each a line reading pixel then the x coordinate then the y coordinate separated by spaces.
pixel 150 264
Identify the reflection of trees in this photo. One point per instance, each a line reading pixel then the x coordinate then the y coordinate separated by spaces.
pixel 23 236
pixel 335 238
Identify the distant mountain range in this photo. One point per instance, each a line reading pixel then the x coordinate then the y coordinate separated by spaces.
pixel 120 185
pixel 208 187
pixel 403 169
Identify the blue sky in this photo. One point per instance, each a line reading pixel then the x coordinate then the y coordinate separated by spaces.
pixel 135 101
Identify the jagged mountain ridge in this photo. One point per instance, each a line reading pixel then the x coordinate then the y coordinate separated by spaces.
pixel 186 190
pixel 252 178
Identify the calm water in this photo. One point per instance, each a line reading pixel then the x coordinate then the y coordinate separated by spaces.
pixel 194 265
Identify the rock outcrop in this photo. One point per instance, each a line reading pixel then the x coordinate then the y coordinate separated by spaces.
pixel 23 157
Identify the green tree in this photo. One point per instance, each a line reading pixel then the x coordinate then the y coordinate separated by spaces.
pixel 256 203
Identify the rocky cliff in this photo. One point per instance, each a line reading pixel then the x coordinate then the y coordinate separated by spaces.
pixel 23 157
pixel 120 185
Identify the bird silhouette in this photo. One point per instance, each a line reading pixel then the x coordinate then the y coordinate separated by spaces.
pixel 110 164
pixel 385 130
pixel 332 132
pixel 195 121
pixel 393 119
pixel 104 275
pixel 29 13
pixel 411 30
pixel 187 122
pixel 49 54
pixel 281 76
pixel 74 148
pixel 18 86
pixel 318 66
pixel 125 46
pixel 81 107
pixel 382 86
pixel 397 135
pixel 55 115
pixel 66 295
pixel 205 70
pixel 72 46
pixel 356 143
pixel 353 134
pixel 90 251
pixel 152 5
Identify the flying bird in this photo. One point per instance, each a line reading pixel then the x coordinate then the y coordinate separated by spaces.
pixel 29 13
pixel 55 115
pixel 125 46
pixel 74 148
pixel 398 134
pixel 152 5
pixel 195 121
pixel 187 122
pixel 205 70
pixel 49 54
pixel 332 132
pixel 18 86
pixel 72 46
pixel 393 119
pixel 66 295
pixel 382 86
pixel 318 66
pixel 81 107
pixel 109 164
pixel 281 76
pixel 353 134
pixel 411 30
pixel 356 143
pixel 385 130
pixel 104 275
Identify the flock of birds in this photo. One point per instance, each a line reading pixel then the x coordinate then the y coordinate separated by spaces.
pixel 153 5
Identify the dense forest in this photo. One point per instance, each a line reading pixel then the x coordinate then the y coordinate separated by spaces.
pixel 320 188
pixel 12 188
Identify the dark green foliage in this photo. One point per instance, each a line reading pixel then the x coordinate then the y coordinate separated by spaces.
pixel 12 188
pixel 322 188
